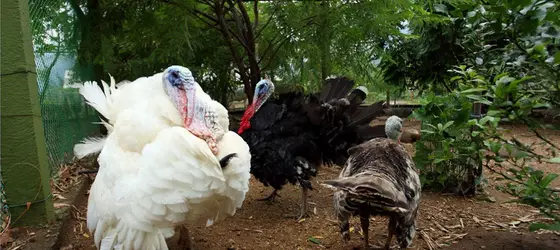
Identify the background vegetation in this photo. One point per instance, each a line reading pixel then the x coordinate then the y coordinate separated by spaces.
pixel 453 54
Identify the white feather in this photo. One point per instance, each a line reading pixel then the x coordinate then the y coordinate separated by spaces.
pixel 89 146
pixel 153 173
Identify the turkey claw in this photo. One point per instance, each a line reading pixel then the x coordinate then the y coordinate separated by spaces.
pixel 299 216
pixel 271 197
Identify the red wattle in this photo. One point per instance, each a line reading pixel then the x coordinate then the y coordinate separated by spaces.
pixel 246 119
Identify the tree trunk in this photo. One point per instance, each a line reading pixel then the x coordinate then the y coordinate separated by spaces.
pixel 325 42
pixel 90 46
pixel 388 97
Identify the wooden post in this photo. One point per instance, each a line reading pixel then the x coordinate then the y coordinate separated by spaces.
pixel 477 110
pixel 24 155
pixel 388 96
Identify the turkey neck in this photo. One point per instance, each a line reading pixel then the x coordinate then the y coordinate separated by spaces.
pixel 193 111
pixel 246 119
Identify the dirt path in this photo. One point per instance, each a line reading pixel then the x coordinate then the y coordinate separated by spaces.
pixel 458 223
pixel 461 223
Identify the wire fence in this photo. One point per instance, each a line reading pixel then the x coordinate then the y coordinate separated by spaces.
pixel 66 118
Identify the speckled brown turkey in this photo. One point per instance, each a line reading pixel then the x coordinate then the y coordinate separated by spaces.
pixel 379 178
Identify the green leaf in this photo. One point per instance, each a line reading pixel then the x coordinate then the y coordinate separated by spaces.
pixel 551 227
pixel 479 99
pixel 554 160
pixel 495 147
pixel 494 113
pixel 440 8
pixel 518 3
pixel 449 123
pixel 468 91
pixel 438 160
pixel 547 180
pixel 455 78
pixel 313 240
pixel 485 119
pixel 557 57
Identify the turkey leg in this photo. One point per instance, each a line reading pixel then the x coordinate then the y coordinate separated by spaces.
pixel 304 204
pixel 185 241
pixel 392 228
pixel 271 197
pixel 364 219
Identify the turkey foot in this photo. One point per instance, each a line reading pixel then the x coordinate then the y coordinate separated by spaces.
pixel 303 213
pixel 271 197
pixel 185 241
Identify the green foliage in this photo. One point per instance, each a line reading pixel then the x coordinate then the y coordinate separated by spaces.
pixel 448 153
pixel 530 186
pixel 334 38
pixel 509 52
pixel 421 60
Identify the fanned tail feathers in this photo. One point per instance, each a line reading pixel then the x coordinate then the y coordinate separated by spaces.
pixel 100 100
pixel 366 132
pixel 374 190
pixel 369 113
pixel 336 88
pixel 89 146
pixel 95 97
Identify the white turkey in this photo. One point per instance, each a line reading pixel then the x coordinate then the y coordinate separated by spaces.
pixel 155 171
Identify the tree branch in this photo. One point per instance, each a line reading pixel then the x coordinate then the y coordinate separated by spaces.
pixel 255 70
pixel 256 13
pixel 258 33
pixel 241 36
pixel 211 18
pixel 219 9
pixel 275 52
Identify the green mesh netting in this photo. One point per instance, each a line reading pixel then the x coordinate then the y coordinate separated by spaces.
pixel 66 117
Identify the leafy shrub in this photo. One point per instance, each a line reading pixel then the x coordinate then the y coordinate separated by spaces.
pixel 448 152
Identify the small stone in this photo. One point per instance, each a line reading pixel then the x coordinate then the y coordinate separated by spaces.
pixel 231 244
pixel 483 247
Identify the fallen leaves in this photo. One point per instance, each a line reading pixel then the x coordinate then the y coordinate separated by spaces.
pixel 6 238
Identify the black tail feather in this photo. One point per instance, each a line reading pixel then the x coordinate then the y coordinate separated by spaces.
pixel 355 98
pixel 225 160
pixel 366 132
pixel 368 114
pixel 336 88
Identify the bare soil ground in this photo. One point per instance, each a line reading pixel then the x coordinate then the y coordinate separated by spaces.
pixel 444 221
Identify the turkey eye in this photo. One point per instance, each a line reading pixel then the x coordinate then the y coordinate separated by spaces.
pixel 179 86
